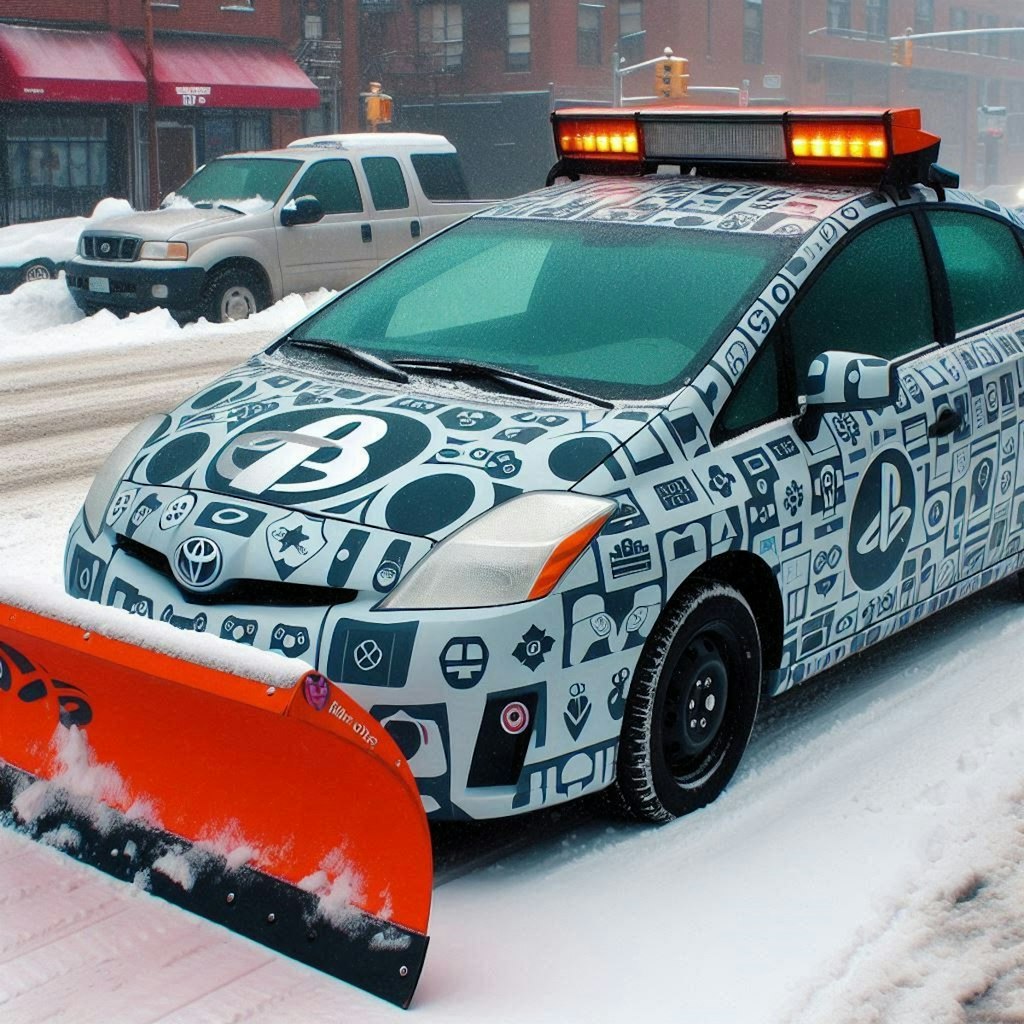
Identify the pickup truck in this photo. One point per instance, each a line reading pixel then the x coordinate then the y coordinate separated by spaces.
pixel 249 228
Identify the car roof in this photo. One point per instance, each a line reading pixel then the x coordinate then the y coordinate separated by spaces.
pixel 684 201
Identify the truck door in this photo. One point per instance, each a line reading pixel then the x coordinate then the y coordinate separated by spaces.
pixel 396 222
pixel 338 250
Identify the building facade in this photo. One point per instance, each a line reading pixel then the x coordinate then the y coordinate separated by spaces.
pixel 483 66
pixel 74 94
pixel 241 74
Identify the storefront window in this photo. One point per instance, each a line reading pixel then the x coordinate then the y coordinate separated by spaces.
pixel 56 166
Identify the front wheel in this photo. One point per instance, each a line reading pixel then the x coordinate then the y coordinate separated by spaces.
pixel 692 705
pixel 232 293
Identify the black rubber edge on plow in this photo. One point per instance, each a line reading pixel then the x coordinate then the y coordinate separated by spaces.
pixel 378 956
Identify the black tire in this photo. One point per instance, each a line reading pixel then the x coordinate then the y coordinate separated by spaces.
pixel 704 658
pixel 37 270
pixel 232 293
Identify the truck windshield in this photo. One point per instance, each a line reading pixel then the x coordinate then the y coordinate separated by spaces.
pixel 615 310
pixel 239 178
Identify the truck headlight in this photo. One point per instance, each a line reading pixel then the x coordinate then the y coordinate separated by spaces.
pixel 164 251
pixel 113 470
pixel 515 552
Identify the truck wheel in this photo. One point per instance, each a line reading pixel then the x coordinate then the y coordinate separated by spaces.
pixel 692 705
pixel 232 293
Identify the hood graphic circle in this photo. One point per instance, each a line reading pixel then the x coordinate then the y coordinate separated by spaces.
pixel 197 563
pixel 313 455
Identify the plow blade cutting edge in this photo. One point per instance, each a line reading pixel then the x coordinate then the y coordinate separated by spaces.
pixel 285 813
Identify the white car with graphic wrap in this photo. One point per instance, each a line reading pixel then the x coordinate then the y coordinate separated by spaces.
pixel 558 495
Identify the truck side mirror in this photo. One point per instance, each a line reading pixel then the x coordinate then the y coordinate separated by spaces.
pixel 848 381
pixel 301 210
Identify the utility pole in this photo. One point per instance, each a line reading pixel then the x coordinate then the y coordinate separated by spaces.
pixel 151 147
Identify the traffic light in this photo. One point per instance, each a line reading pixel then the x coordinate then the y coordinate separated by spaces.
pixel 903 52
pixel 671 78
pixel 378 106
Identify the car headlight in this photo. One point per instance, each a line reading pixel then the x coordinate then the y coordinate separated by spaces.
pixel 164 251
pixel 515 552
pixel 113 470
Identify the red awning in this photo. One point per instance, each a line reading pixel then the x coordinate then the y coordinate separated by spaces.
pixel 58 66
pixel 194 72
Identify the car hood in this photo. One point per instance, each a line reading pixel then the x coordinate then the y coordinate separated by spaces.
pixel 409 463
pixel 170 224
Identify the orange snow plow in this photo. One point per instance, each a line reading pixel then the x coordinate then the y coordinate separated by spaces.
pixel 284 812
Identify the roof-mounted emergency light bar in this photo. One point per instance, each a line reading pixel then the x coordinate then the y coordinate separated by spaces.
pixel 837 145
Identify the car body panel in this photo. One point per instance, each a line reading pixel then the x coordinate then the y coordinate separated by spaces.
pixel 855 530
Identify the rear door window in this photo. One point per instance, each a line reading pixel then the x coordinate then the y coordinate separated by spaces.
pixel 387 182
pixel 984 266
pixel 440 176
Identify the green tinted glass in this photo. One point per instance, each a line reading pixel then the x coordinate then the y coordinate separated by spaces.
pixel 620 309
pixel 983 264
pixel 872 298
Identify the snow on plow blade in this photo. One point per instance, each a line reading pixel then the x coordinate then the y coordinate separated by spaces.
pixel 285 813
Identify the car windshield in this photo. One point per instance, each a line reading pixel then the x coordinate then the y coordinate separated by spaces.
pixel 615 310
pixel 239 178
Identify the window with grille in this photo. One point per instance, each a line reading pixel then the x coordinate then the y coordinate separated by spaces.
pixel 517 53
pixel 753 32
pixel 440 35
pixel 631 31
pixel 876 16
pixel 588 33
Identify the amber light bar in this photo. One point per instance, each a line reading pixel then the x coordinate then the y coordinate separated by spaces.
pixel 839 142
pixel 603 138
pixel 791 142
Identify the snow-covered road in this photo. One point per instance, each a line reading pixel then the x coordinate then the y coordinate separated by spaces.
pixel 865 864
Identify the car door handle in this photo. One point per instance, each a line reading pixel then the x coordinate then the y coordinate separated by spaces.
pixel 948 421
pixel 414 228
pixel 367 232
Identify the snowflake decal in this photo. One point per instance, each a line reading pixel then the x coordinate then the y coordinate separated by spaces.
pixel 532 648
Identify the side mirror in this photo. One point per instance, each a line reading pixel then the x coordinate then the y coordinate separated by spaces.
pixel 848 381
pixel 301 210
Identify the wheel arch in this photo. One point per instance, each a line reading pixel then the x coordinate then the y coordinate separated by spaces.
pixel 756 581
pixel 247 263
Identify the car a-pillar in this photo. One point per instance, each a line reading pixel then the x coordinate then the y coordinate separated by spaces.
pixel 697 687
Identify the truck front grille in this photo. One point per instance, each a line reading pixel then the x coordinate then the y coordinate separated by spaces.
pixel 119 248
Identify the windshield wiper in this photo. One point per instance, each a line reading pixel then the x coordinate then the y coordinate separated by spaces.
pixel 353 354
pixel 519 383
pixel 209 204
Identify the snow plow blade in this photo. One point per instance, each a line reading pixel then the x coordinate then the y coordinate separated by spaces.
pixel 283 812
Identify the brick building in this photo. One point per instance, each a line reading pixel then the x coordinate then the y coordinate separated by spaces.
pixel 484 70
pixel 73 95
pixel 236 74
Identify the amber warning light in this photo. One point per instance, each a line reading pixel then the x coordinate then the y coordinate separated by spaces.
pixel 605 138
pixel 791 143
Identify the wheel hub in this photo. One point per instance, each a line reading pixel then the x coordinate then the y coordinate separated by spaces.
pixel 696 704
pixel 238 303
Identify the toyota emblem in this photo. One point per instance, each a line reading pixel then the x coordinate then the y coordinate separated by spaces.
pixel 105 248
pixel 197 563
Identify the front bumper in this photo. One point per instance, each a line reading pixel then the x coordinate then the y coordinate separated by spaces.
pixel 441 682
pixel 128 287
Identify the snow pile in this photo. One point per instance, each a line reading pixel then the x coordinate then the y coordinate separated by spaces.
pixel 250 204
pixel 54 239
pixel 42 316
pixel 262 667
pixel 339 888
